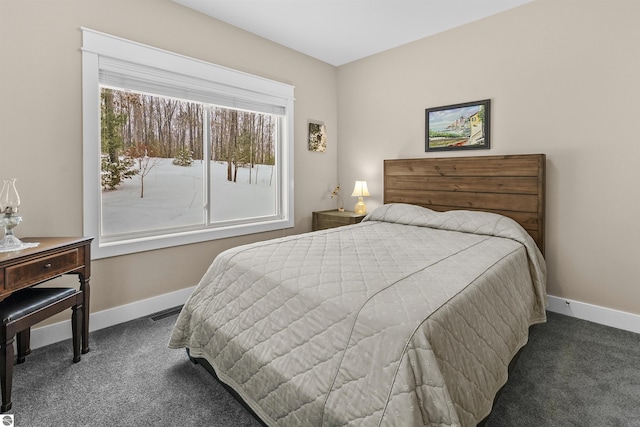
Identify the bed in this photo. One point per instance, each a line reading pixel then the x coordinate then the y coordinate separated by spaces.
pixel 409 318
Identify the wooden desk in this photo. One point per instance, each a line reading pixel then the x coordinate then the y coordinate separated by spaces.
pixel 52 258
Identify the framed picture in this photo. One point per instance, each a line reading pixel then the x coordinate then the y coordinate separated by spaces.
pixel 458 127
pixel 317 137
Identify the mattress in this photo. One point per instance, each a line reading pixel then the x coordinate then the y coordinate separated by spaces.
pixel 409 318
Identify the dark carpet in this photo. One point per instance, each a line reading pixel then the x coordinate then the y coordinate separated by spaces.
pixel 129 378
pixel 572 373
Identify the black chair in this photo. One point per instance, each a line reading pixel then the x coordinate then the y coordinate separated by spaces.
pixel 19 312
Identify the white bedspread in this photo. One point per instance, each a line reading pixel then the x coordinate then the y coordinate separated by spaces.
pixel 409 318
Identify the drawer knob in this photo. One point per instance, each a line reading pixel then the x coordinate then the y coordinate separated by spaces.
pixel 47 265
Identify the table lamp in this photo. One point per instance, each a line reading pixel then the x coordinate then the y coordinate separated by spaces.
pixel 9 203
pixel 360 190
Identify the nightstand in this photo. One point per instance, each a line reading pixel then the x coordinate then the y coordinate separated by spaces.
pixel 334 218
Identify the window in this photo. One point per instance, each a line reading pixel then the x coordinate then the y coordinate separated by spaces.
pixel 179 151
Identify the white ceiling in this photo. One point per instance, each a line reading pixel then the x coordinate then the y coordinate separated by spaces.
pixel 341 31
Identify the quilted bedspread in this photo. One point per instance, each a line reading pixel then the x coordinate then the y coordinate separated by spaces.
pixel 409 318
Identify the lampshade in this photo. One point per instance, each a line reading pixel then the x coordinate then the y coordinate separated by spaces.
pixel 9 198
pixel 360 190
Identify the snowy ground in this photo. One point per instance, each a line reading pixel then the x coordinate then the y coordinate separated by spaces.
pixel 173 197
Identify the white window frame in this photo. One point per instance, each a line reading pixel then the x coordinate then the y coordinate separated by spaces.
pixel 102 51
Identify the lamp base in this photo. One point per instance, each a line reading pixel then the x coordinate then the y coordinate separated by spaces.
pixel 9 222
pixel 10 242
pixel 360 208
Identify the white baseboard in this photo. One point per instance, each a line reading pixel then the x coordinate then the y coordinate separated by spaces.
pixel 103 319
pixel 61 331
pixel 594 313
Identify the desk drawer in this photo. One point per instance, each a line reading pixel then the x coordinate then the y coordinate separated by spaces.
pixel 42 269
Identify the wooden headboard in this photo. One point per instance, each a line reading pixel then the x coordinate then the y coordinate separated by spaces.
pixel 513 186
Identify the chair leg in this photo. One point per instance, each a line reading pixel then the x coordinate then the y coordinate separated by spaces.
pixel 76 331
pixel 23 340
pixel 6 373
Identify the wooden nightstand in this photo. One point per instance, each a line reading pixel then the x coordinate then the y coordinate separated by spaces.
pixel 334 218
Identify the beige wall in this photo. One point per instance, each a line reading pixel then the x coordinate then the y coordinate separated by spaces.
pixel 564 79
pixel 41 126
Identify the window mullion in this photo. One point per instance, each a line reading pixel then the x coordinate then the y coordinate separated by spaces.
pixel 206 154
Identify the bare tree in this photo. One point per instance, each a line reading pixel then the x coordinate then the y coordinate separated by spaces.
pixel 140 153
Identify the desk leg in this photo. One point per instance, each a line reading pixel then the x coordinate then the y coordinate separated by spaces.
pixel 6 372
pixel 86 290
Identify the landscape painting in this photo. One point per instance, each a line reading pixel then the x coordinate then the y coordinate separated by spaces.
pixel 458 127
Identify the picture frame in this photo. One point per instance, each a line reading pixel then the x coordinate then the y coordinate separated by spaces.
pixel 317 138
pixel 464 126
